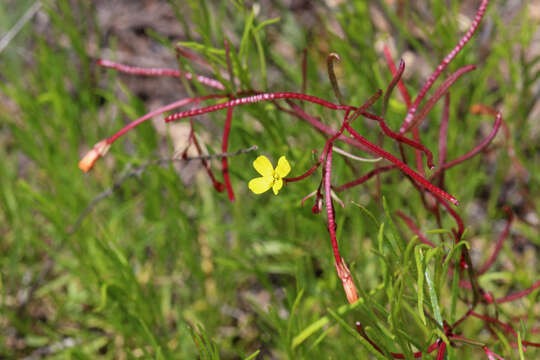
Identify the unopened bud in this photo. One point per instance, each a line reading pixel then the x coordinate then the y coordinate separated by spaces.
pixel 348 285
pixel 482 109
pixel 88 160
pixel 219 186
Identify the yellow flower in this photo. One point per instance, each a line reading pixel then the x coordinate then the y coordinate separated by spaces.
pixel 270 178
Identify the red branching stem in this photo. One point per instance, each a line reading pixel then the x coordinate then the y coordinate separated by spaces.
pixel 217 185
pixel 224 160
pixel 403 167
pixel 304 175
pixel 402 89
pixel 318 125
pixel 518 294
pixel 478 148
pixel 418 354
pixel 332 75
pixel 348 119
pixel 462 42
pixel 499 243
pixel 359 111
pixel 254 99
pixel 161 110
pixel 329 205
pixel 412 226
pixel 492 320
pixel 407 99
pixel 441 90
pixel 364 178
pixel 396 136
pixel 160 72
pixel 395 80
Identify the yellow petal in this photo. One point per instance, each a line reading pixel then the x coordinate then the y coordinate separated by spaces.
pixel 278 184
pixel 283 167
pixel 263 166
pixel 260 184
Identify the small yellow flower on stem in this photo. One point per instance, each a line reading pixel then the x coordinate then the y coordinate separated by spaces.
pixel 271 178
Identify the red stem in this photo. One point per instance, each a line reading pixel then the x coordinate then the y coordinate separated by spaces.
pixel 481 146
pixel 441 90
pixel 329 205
pixel 254 99
pixel 159 72
pixel 401 138
pixel 161 110
pixel 217 185
pixel 364 178
pixel 499 243
pixel 441 350
pixel 407 99
pixel 418 354
pixel 462 42
pixel 403 167
pixel 322 128
pixel 396 78
pixel 518 294
pixel 224 160
pixel 443 136
pixel 412 226
pixel 402 89
pixel 304 175
pixel 492 320
pixel 348 119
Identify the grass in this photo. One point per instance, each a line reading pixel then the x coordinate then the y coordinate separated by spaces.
pixel 161 269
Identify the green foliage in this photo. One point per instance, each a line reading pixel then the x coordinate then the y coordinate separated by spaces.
pixel 159 269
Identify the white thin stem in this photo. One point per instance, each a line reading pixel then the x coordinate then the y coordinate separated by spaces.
pixel 354 157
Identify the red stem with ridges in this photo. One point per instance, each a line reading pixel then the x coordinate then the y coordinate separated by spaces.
pixel 161 110
pixel 407 98
pixel 462 42
pixel 441 90
pixel 329 205
pixel 224 160
pixel 257 98
pixel 396 136
pixel 403 167
pixel 160 72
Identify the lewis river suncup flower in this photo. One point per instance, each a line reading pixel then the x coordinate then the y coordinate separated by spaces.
pixel 271 178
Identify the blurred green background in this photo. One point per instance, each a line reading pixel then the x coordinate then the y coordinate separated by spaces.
pixel 162 266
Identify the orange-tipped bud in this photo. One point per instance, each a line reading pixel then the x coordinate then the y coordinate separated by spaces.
pixel 348 285
pixel 87 162
pixel 483 109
